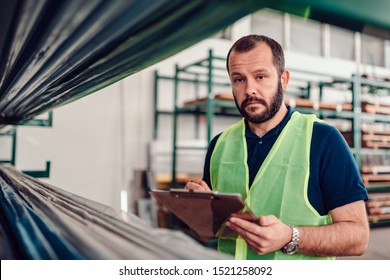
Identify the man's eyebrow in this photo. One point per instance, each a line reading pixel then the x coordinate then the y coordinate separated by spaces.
pixel 262 70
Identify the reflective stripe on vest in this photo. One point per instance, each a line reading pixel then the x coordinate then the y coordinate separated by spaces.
pixel 280 185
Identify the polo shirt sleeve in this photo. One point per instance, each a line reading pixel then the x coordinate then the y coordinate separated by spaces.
pixel 338 175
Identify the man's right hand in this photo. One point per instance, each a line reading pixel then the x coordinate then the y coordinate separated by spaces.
pixel 200 186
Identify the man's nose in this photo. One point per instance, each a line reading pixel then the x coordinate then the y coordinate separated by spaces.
pixel 250 87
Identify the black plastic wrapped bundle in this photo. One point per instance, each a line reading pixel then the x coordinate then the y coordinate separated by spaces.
pixel 45 222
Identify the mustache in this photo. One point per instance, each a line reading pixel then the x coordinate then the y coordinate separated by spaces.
pixel 251 99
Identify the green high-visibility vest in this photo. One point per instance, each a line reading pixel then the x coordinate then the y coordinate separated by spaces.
pixel 280 185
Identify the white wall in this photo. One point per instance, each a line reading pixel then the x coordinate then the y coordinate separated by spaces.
pixel 96 143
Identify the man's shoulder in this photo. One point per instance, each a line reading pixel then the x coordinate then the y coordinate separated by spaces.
pixel 324 129
pixel 326 137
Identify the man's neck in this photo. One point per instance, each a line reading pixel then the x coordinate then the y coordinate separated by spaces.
pixel 260 129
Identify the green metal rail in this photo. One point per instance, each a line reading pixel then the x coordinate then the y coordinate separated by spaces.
pixel 12 133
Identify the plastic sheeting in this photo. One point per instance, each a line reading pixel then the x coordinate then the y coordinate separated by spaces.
pixel 44 222
pixel 356 15
pixel 54 52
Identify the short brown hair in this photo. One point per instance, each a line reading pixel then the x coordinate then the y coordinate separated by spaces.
pixel 249 42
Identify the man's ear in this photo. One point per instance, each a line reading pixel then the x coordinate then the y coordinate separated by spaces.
pixel 284 79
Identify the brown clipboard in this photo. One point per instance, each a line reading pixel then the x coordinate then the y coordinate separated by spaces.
pixel 203 212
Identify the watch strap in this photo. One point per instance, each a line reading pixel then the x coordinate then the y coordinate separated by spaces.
pixel 292 246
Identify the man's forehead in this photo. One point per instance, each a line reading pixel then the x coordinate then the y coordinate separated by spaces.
pixel 258 48
pixel 257 54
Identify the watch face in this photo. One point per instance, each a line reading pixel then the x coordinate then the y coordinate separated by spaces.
pixel 291 248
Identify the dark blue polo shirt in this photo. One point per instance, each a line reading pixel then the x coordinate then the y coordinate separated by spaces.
pixel 334 178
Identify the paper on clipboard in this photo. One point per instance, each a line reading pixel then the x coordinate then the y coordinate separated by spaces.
pixel 203 212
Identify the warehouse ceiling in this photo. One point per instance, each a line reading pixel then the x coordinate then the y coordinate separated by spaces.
pixel 54 52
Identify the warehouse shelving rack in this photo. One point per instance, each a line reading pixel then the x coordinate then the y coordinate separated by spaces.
pixel 210 106
pixel 203 73
pixel 9 130
pixel 10 133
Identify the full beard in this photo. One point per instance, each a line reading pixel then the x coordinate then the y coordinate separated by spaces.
pixel 270 109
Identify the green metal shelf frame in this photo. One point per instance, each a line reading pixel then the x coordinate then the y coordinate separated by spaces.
pixel 377 189
pixel 384 223
pixel 207 78
pixel 12 134
pixel 48 122
pixel 211 103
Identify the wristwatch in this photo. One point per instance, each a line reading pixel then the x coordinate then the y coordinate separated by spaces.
pixel 292 246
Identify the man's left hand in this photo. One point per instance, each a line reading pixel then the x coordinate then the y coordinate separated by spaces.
pixel 263 235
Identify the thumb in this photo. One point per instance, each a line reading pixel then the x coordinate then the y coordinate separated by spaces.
pixel 267 220
pixel 204 184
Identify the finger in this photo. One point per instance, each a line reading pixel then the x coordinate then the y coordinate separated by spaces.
pixel 194 186
pixel 248 236
pixel 254 241
pixel 244 224
pixel 245 228
pixel 267 220
pixel 201 186
pixel 249 216
pixel 204 184
pixel 258 247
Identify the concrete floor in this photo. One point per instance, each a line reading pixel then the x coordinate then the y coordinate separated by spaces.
pixel 379 246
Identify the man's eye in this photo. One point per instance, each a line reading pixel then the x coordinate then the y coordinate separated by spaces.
pixel 260 77
pixel 238 80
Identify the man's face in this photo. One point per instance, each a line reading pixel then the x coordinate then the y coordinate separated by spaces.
pixel 257 87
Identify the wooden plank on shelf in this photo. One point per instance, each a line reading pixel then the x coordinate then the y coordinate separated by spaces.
pixel 379 204
pixel 224 96
pixel 377 103
pixel 378 207
pixel 380 197
pixel 377 218
pixel 336 106
pixel 376 138
pixel 371 178
pixel 375 109
pixel 375 145
pixel 307 103
pixel 164 180
pixel 299 102
pixel 375 169
pixel 375 132
pixel 197 101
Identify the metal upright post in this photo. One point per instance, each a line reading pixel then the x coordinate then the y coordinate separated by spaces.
pixel 197 113
pixel 155 105
pixel 13 157
pixel 12 134
pixel 175 116
pixel 210 97
pixel 357 111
